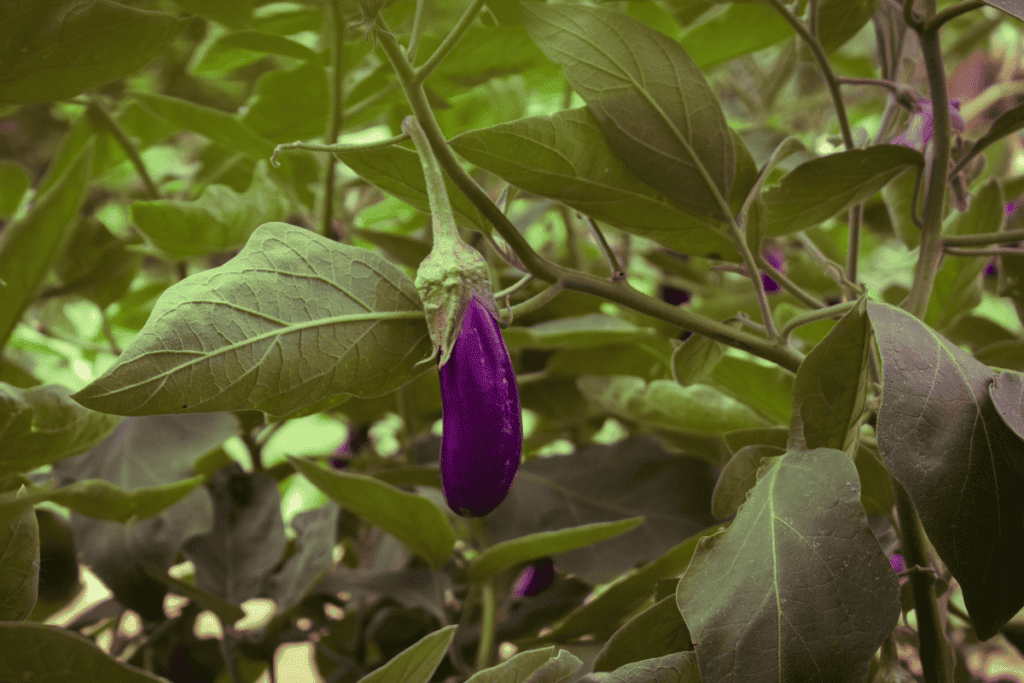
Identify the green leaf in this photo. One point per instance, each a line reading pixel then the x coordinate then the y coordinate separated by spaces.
pixel 518 668
pixel 58 49
pixel 604 612
pixel 898 196
pixel 19 571
pixel 957 289
pixel 818 189
pixel 29 246
pixel 694 358
pixel 559 669
pixel 831 385
pixel 738 31
pixel 260 41
pixel 220 220
pixel 1008 123
pixel 409 517
pixel 290 104
pixel 566 157
pixel 233 13
pixel 696 409
pixel 797 589
pixel 657 631
pixel 575 332
pixel 14 182
pixel 234 558
pixel 53 653
pixel 501 556
pixel 653 105
pixel 294 319
pixel 648 358
pixel 316 531
pixel 840 20
pixel 416 663
pixel 738 477
pixel 1009 6
pixel 399 172
pixel 102 500
pixel 42 425
pixel 941 436
pixel 225 611
pixel 218 126
pixel 680 667
pixel 767 390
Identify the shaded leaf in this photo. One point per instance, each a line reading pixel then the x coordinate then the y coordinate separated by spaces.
pixel 1011 7
pixel 840 20
pixel 738 31
pixel 409 517
pixel 293 320
pixel 269 43
pixel 225 611
pixel 507 554
pixel 30 245
pixel 559 669
pixel 657 631
pixel 290 104
pixel 830 386
pixel 648 358
pixel 247 540
pixel 411 588
pixel 416 663
pixel 818 189
pixel 19 568
pixel 675 668
pixel 1009 122
pixel 941 436
pixel 14 182
pixel 518 668
pixel 738 477
pixel 653 106
pixel 219 126
pixel 313 557
pixel 797 588
pixel 566 157
pixel 233 13
pixel 55 653
pixel 219 220
pixel 575 332
pixel 767 390
pixel 55 50
pixel 42 425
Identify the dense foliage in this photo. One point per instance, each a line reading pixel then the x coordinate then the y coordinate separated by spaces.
pixel 756 336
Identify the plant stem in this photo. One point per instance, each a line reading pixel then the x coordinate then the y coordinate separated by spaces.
pixel 995 251
pixel 814 316
pixel 983 238
pixel 533 303
pixel 336 35
pixel 100 114
pixel 442 216
pixel 952 12
pixel 487 625
pixel 534 263
pixel 448 44
pixel 787 284
pixel 609 254
pixel 417 31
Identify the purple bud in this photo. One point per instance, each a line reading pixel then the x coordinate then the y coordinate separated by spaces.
pixel 535 578
pixel 774 255
pixel 674 295
pixel 898 565
pixel 990 269
pixel 482 424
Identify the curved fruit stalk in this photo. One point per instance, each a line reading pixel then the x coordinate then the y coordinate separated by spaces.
pixel 482 432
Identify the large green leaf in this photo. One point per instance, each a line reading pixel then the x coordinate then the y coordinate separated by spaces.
pixel 409 517
pixel 219 220
pixel 767 390
pixel 566 157
pixel 290 104
pixel 739 476
pixel 797 589
pixel 416 663
pixel 42 425
pixel 29 246
pixel 831 385
pixel 234 13
pixel 52 653
pixel 58 49
pixel 680 667
pixel 818 189
pixel 219 126
pixel 518 668
pixel 653 105
pixel 840 20
pixel 657 631
pixel 941 436
pixel 14 182
pixel 19 571
pixel 510 553
pixel 294 319
pixel 738 31
pixel 576 332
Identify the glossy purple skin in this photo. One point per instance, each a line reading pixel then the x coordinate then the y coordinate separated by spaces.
pixel 482 431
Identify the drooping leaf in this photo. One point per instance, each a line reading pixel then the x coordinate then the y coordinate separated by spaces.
pixel 831 385
pixel 19 570
pixel 316 539
pixel 510 553
pixel 600 615
pixel 818 189
pixel 797 588
pixel 566 157
pixel 29 246
pixel 653 106
pixel 58 49
pixel 247 540
pixel 261 41
pixel 941 436
pixel 42 425
pixel 840 20
pixel 219 126
pixel 55 653
pixel 416 663
pixel 738 31
pixel 409 517
pixel 294 319
pixel 657 631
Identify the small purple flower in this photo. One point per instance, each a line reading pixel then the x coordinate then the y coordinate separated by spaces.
pixel 535 578
pixel 482 424
pixel 919 128
pixel 898 565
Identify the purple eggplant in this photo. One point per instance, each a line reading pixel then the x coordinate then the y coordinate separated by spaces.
pixel 482 432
